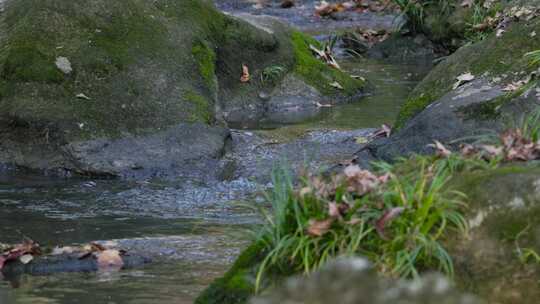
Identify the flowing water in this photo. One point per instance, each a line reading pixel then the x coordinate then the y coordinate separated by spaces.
pixel 193 230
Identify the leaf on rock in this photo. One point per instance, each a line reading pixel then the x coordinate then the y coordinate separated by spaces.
pixel 25 259
pixel 462 79
pixel 27 247
pixel 336 85
pixel 442 151
pixel 109 259
pixel 245 74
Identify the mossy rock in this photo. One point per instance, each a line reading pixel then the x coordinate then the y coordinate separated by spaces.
pixel 281 48
pixel 80 72
pixel 504 214
pixel 495 57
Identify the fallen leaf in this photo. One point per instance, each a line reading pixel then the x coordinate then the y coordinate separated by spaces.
pixel 358 77
pixel 384 131
pixel 82 96
pixel 468 150
pixel 26 247
pixel 25 259
pixel 333 210
pixel 320 105
pixel 245 74
pixel 109 259
pixel 63 250
pixel 319 228
pixel 386 218
pixel 336 85
pixel 467 3
pixel 462 79
pixel 442 151
pixel 360 181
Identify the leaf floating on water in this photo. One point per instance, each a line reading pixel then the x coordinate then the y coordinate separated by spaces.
pixel 462 79
pixel 27 247
pixel 320 105
pixel 245 74
pixel 109 259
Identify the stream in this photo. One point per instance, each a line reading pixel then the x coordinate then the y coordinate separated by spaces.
pixel 192 229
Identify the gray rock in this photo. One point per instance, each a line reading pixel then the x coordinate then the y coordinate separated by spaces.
pixel 470 110
pixel 351 281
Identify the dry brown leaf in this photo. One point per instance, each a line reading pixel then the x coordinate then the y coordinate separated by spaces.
pixel 442 151
pixel 468 150
pixel 109 259
pixel 319 228
pixel 245 74
pixel 386 218
pixel 360 181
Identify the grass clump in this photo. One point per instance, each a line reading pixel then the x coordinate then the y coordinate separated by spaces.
pixel 396 216
pixel 534 57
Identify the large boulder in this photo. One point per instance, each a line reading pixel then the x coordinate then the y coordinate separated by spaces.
pixel 499 260
pixel 136 88
pixel 476 90
pixel 351 281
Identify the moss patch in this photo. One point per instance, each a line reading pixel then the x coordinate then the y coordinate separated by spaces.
pixel 201 110
pixel 235 286
pixel 206 59
pixel 411 107
pixel 318 74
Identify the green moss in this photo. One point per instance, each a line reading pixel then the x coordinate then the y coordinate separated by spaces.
pixel 129 57
pixel 26 63
pixel 206 58
pixel 318 74
pixel 411 107
pixel 201 109
pixel 236 286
